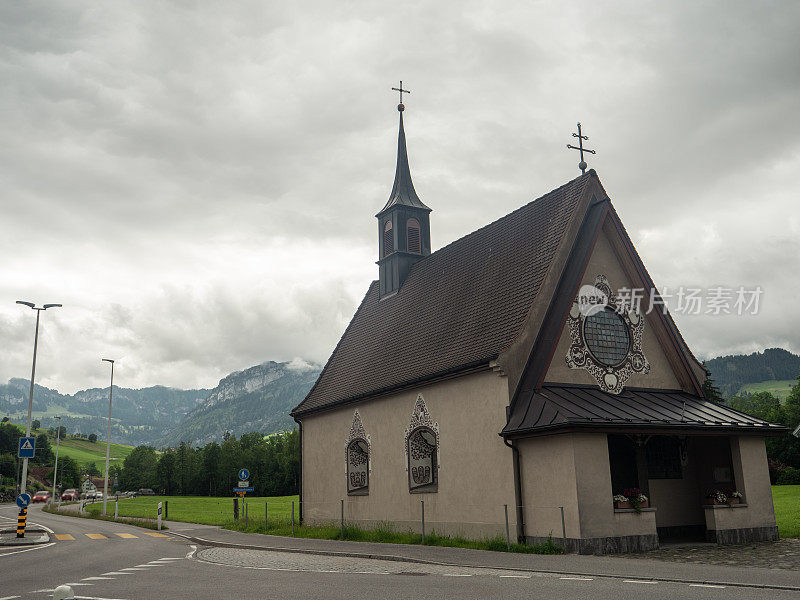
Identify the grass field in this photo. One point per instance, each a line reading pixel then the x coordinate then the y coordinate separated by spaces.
pixel 780 388
pixel 198 509
pixel 787 509
pixel 86 452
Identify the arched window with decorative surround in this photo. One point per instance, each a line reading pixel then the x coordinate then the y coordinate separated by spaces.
pixel 388 238
pixel 356 453
pixel 422 450
pixel 413 239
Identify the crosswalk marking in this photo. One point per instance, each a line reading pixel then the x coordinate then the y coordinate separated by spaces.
pixel 154 534
pixel 64 536
pixel 127 536
pixel 96 536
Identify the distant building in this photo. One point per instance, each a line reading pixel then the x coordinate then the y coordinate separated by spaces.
pixel 508 369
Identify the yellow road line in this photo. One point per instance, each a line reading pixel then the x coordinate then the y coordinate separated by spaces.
pixel 64 536
pixel 155 534
pixel 96 536
pixel 127 536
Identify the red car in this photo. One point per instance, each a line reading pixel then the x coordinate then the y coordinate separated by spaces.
pixel 70 494
pixel 43 496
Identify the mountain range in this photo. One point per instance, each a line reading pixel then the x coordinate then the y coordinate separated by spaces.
pixel 256 399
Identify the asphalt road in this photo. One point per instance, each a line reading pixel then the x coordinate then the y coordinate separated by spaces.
pixel 103 561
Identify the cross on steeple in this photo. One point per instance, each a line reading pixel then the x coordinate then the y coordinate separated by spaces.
pixel 581 165
pixel 400 106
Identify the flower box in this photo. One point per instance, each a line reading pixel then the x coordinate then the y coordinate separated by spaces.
pixel 733 500
pixel 619 505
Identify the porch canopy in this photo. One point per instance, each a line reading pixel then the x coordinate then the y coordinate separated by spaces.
pixel 558 408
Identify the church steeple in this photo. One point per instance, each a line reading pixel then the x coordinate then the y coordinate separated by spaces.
pixel 404 231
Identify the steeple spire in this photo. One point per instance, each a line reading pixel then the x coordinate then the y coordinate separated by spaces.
pixel 404 229
pixel 403 192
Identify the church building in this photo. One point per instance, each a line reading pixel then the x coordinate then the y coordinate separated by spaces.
pixel 509 377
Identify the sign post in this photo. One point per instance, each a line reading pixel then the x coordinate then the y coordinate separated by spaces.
pixel 159 516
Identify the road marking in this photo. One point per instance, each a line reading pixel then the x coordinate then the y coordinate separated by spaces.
pixel 456 575
pixel 173 557
pixel 517 576
pixel 703 585
pixel 96 578
pixel 117 573
pixel 94 598
pixel 134 569
pixel 127 536
pixel 639 581
pixel 28 549
pixel 96 536
pixel 9 597
pixel 63 537
pixel 190 554
pixel 578 578
pixel 155 534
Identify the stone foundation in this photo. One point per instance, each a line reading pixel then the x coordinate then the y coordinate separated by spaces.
pixel 603 545
pixel 745 535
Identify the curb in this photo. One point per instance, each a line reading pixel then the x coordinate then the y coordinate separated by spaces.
pixel 43 539
pixel 395 558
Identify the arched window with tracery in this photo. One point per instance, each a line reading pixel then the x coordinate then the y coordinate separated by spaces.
pixel 422 459
pixel 356 456
pixel 414 243
pixel 388 238
pixel 422 450
pixel 358 467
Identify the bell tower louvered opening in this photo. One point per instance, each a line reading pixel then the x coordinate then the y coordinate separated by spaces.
pixel 388 239
pixel 414 243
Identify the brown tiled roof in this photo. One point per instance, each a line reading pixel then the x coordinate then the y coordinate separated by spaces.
pixel 459 307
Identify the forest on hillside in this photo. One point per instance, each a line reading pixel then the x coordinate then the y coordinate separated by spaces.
pixel 730 373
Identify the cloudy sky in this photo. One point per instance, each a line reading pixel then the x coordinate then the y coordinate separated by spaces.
pixel 197 182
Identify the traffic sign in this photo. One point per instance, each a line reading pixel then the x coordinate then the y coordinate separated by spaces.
pixel 243 489
pixel 27 447
pixel 244 484
pixel 244 474
pixel 23 500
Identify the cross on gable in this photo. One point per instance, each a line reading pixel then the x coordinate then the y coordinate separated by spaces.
pixel 581 165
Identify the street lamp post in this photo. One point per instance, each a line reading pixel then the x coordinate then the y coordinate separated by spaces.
pixel 55 468
pixel 24 481
pixel 108 434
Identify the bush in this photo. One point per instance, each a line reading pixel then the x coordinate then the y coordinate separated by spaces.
pixel 788 476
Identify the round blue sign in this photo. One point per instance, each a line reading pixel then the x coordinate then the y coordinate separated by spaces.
pixel 244 474
pixel 23 500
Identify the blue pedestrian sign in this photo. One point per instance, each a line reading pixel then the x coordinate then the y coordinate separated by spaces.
pixel 23 500
pixel 244 474
pixel 27 447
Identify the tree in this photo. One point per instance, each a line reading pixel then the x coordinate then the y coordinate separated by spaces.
pixel 69 475
pixel 44 452
pixel 36 424
pixel 139 469
pixel 62 432
pixel 5 420
pixel 93 437
pixel 166 472
pixel 91 470
pixel 710 390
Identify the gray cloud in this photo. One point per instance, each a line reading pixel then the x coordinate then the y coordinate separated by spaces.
pixel 197 184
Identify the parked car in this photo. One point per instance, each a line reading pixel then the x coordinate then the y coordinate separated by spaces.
pixel 90 495
pixel 43 496
pixel 70 494
pixel 146 492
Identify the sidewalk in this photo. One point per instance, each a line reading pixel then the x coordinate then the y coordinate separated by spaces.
pixel 567 564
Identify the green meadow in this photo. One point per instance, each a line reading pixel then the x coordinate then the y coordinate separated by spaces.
pixel 780 389
pixel 84 451
pixel 205 510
